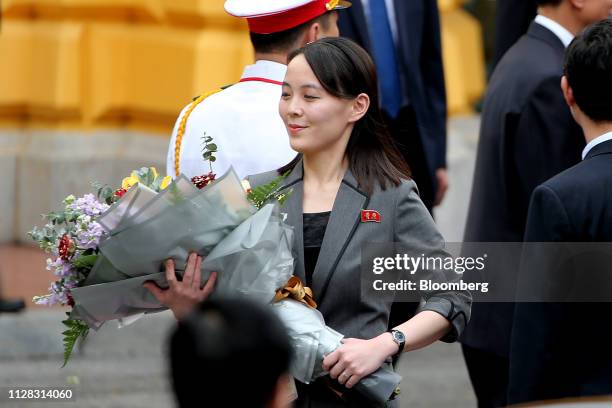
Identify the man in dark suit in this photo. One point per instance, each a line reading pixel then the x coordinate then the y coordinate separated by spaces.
pixel 512 19
pixel 403 38
pixel 563 349
pixel 527 135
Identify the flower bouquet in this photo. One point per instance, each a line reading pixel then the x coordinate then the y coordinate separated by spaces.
pixel 72 236
pixel 106 246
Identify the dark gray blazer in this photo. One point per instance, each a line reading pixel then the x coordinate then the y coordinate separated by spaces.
pixel 336 279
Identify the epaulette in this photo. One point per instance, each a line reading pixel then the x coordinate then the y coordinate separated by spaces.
pixel 222 88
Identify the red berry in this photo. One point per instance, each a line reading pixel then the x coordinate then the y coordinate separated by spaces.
pixel 203 180
pixel 70 300
pixel 120 192
pixel 65 247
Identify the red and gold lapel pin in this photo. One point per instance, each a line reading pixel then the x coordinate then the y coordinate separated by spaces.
pixel 370 216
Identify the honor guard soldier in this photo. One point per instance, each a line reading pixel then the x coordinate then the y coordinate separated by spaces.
pixel 243 119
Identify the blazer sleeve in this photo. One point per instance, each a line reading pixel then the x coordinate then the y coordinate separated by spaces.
pixel 414 223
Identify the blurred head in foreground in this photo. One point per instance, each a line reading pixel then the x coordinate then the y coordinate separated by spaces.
pixel 230 350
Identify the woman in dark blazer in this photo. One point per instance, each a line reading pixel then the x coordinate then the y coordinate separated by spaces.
pixel 347 164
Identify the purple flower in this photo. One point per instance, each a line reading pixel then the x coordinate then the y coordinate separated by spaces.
pixel 88 205
pixel 70 284
pixel 60 267
pixel 88 233
pixel 56 296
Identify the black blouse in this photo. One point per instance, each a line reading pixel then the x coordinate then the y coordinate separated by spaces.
pixel 314 230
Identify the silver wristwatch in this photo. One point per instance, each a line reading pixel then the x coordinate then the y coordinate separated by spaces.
pixel 399 339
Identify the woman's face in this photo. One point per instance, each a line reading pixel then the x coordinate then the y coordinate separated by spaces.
pixel 315 120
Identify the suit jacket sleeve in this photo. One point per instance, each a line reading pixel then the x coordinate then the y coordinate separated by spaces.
pixel 536 347
pixel 548 220
pixel 537 351
pixel 414 223
pixel 541 276
pixel 432 69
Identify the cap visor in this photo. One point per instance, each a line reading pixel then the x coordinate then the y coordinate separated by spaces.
pixel 342 4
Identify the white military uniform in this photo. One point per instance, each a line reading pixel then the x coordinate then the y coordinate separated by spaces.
pixel 243 121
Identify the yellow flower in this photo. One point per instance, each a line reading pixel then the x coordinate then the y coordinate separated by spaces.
pixel 129 181
pixel 165 182
pixel 154 171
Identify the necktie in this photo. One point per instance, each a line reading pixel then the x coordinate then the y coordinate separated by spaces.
pixel 385 58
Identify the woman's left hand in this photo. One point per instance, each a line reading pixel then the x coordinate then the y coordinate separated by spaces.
pixel 357 358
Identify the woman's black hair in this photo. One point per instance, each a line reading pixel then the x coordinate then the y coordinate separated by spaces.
pixel 345 70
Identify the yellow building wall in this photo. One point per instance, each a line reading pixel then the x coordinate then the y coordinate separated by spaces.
pixel 135 63
pixel 128 63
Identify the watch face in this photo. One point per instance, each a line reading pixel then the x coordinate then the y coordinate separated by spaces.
pixel 399 336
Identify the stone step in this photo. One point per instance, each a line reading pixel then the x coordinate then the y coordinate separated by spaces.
pixel 36 334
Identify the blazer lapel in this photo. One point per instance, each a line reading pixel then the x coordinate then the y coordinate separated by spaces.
pixel 293 207
pixel 343 222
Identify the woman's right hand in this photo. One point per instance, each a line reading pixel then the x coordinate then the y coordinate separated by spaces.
pixel 182 296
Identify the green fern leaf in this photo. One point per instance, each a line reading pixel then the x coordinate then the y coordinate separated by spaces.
pixel 75 329
pixel 261 194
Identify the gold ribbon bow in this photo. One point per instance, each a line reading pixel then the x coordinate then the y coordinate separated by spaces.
pixel 295 289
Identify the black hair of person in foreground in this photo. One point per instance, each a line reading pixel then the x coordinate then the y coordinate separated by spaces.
pixel 230 352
